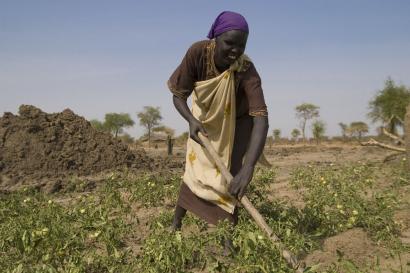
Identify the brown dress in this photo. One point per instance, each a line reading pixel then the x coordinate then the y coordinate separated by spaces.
pixel 198 65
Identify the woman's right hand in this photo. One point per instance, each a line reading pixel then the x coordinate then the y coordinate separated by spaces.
pixel 196 126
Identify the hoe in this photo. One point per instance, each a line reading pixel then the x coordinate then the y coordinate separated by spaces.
pixel 286 254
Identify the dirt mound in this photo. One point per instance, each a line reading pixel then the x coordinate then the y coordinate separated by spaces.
pixel 353 244
pixel 35 145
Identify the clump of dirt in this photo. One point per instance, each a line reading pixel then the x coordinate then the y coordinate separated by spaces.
pixel 353 244
pixel 36 145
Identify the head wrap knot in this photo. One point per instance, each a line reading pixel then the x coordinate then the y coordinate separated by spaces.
pixel 228 20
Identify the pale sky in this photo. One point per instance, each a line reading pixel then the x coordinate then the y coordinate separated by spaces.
pixel 96 57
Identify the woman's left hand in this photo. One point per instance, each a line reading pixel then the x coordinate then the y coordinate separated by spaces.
pixel 237 187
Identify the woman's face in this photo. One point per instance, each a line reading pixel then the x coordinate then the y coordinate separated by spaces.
pixel 229 46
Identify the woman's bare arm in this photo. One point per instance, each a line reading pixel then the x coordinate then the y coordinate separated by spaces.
pixel 194 125
pixel 256 144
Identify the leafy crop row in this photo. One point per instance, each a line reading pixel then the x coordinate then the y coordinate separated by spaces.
pixel 101 231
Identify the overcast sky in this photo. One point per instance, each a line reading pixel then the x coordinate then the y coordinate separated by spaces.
pixel 103 56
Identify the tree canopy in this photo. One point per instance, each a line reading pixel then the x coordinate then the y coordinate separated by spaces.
pixel 389 105
pixel 295 133
pixel 169 131
pixel 113 123
pixel 318 129
pixel 98 125
pixel 344 129
pixel 358 128
pixel 126 138
pixel 276 134
pixel 304 112
pixel 182 138
pixel 149 118
pixel 116 123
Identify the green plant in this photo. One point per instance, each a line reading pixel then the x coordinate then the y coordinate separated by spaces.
pixel 153 190
pixel 37 234
pixel 99 231
pixel 339 199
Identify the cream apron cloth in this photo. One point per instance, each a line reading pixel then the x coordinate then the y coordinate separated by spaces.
pixel 213 105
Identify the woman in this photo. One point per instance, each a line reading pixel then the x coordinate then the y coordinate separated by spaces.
pixel 229 108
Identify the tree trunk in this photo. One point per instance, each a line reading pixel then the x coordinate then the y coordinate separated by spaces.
pixel 392 126
pixel 407 135
pixel 303 129
pixel 170 144
pixel 149 137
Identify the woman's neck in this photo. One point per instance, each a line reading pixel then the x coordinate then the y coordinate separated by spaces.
pixel 220 68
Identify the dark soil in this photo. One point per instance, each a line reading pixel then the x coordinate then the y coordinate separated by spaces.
pixel 35 145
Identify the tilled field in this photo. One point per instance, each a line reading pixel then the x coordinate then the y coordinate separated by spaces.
pixel 337 206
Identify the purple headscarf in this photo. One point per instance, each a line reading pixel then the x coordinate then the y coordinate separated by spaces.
pixel 228 20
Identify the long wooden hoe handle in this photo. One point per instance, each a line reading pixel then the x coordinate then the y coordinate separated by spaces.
pixel 286 254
